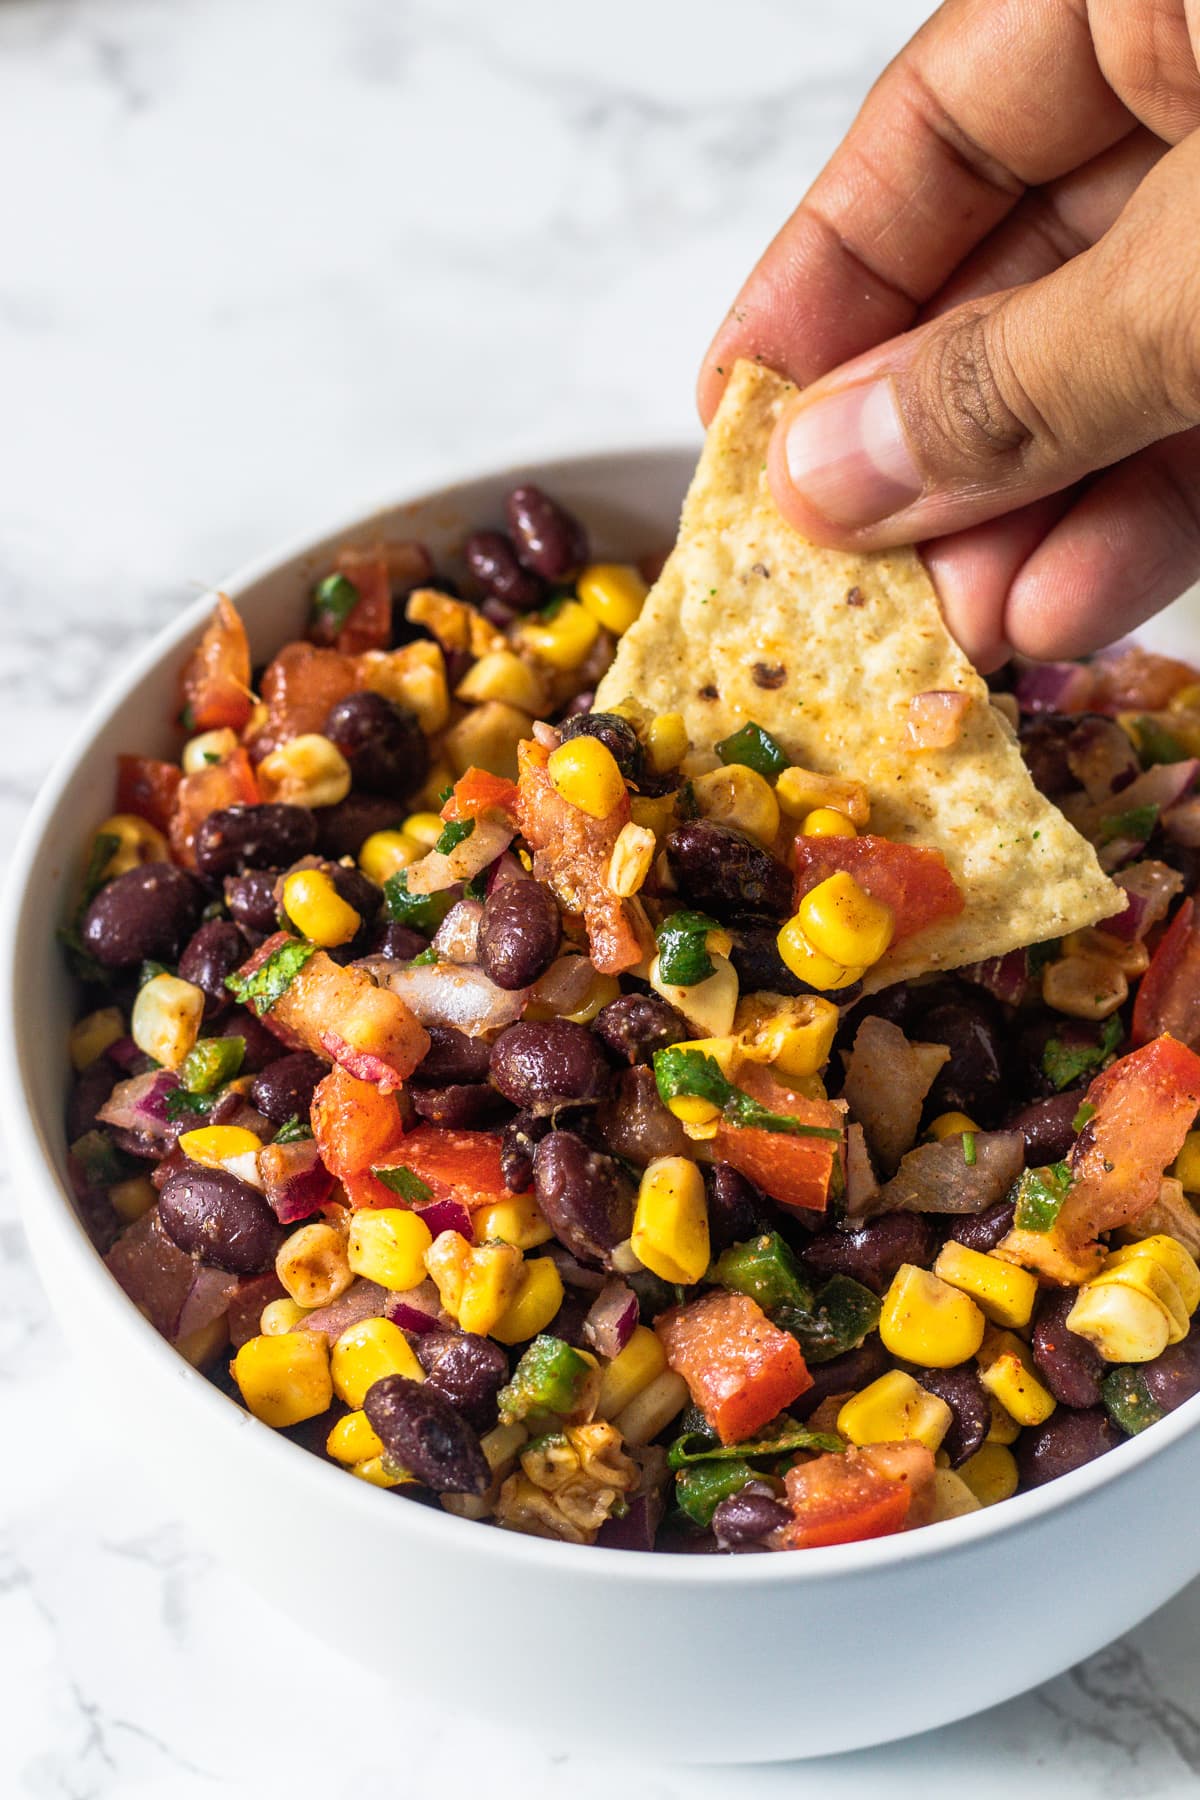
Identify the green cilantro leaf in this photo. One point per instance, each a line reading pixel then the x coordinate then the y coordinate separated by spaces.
pixel 683 957
pixel 268 984
pixel 402 1181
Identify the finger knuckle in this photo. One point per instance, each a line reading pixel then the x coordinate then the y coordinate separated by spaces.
pixel 972 396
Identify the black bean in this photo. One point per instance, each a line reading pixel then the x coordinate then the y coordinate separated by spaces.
pixel 382 742
pixel 147 912
pixel 342 830
pixel 1044 746
pixel 973 1079
pixel 635 1124
pixel 260 1046
pixel 636 1025
pixel 466 1370
pixel 521 1137
pixel 747 1518
pixel 1071 1367
pixel 547 1063
pixel 519 934
pixel 983 1231
pixel 615 733
pixel 568 1322
pixel 356 889
pixel 737 1210
pixel 222 1221
pixel 464 1105
pixel 1174 1376
pixel 492 560
pixel 586 1196
pixel 212 953
pixel 284 1089
pixel 90 1090
pixel 1047 1126
pixel 874 1252
pixel 844 1374
pixel 399 943
pixel 547 539
pixel 1065 1441
pixel 759 966
pixel 422 1432
pixel 251 900
pixel 269 836
pixel 451 1056
pixel 964 1394
pixel 723 871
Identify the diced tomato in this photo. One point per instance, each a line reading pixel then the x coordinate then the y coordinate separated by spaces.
pixel 867 1493
pixel 228 783
pixel 356 1127
pixel 148 788
pixel 298 689
pixel 459 1165
pixel 1130 679
pixel 369 626
pixel 341 1014
pixel 740 1369
pixel 571 854
pixel 910 878
pixel 216 677
pixel 1168 996
pixel 1145 1105
pixel 479 791
pixel 795 1171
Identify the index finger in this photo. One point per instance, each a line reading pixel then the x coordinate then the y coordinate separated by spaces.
pixel 990 97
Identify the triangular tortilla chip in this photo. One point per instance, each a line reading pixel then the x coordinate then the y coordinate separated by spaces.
pixel 748 620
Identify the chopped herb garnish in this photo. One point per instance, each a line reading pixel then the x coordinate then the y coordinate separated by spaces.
pixel 1083 1116
pixel 423 959
pixel 150 970
pixel 81 963
pixel 785 1439
pixel 105 845
pixel 1040 1194
pixel 455 833
pixel 685 802
pixel 1135 825
pixel 678 1071
pixel 268 984
pixel 476 888
pixel 292 1131
pixel 402 1181
pixel 755 748
pixel 1064 1064
pixel 968 1144
pixel 444 795
pixel 683 957
pixel 180 1104
pixel 424 912
pixel 334 600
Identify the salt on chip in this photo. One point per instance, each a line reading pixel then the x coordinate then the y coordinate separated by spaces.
pixel 825 649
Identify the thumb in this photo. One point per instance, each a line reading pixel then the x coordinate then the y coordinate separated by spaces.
pixel 1011 397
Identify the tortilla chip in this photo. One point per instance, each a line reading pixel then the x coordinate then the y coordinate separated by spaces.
pixel 824 649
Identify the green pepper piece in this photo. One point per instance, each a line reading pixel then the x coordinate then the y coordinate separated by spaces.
pixel 452 835
pixel 1040 1194
pixel 764 1268
pixel 1155 743
pixel 271 981
pixel 424 912
pixel 678 1071
pixel 755 748
pixel 551 1377
pixel 1084 1114
pixel 1136 824
pixel 210 1063
pixel 700 1488
pixel 784 1438
pixel 1065 1063
pixel 1128 1401
pixel 182 1105
pixel 844 1314
pixel 334 599
pixel 683 958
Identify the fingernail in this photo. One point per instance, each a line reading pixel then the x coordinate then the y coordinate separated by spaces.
pixel 847 455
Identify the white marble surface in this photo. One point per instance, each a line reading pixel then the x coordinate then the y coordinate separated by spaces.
pixel 260 259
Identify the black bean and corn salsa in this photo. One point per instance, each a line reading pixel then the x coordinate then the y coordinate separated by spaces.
pixel 482 1089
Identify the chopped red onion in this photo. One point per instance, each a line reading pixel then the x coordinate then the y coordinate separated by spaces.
pixel 442 868
pixel 1150 888
pixel 611 1318
pixel 1182 823
pixel 1101 758
pixel 573 1273
pixel 418 1309
pixel 936 719
pixel 125 1053
pixel 937 1178
pixel 140 1104
pixel 565 986
pixel 506 868
pixel 862 1183
pixel 546 735
pixel 1007 977
pixel 361 1300
pixel 447 1215
pixel 246 1304
pixel 449 994
pixel 1063 687
pixel 636 1528
pixel 457 937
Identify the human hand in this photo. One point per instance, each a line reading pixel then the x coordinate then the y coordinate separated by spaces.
pixel 1020 198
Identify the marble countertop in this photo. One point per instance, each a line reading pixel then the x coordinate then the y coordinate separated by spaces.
pixel 260 260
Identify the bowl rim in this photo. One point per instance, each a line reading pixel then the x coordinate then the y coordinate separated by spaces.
pixel 67 1236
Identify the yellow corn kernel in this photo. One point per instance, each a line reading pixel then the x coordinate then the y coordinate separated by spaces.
pixel 414 676
pixel 446 1262
pixel 200 753
pixel 501 675
pixel 926 1321
pixel 666 742
pixel 1151 1281
pixel 894 1407
pixel 632 1369
pixel 213 1145
pixel 811 965
pixel 455 623
pixel 952 1498
pixel 691 1109
pixel 486 737
pixel 670 1223
pixel 1004 1293
pixel 802 791
pixel 1131 958
pixel 284 1380
pixel 424 828
pixel 132 1199
pixel 991 1474
pixel 823 821
pixel 651 1411
pixel 843 922
pixel 364 1354
pixel 166 1017
pixel 795 1035
pixel 741 797
pixel 708 1006
pixel 1003 1428
pixel 516 1220
pixel 308 770
pixel 1187 699
pixel 283 1315
pixel 317 910
pixel 950 1124
pixel 614 594
pixel 585 773
pixel 632 859
pixel 385 853
pixel 380 1473
pixel 387 1244
pixel 312 1264
pixel 353 1439
pixel 538 1296
pixel 1171 1255
pixel 490 1285
pixel 138 842
pixel 564 640
pixel 1187 1163
pixel 1086 986
pixel 656 815
pixel 1006 1371
pixel 90 1036
pixel 600 991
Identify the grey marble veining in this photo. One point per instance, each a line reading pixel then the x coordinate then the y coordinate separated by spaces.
pixel 261 260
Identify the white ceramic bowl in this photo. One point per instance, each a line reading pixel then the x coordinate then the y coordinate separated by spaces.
pixel 693 1658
